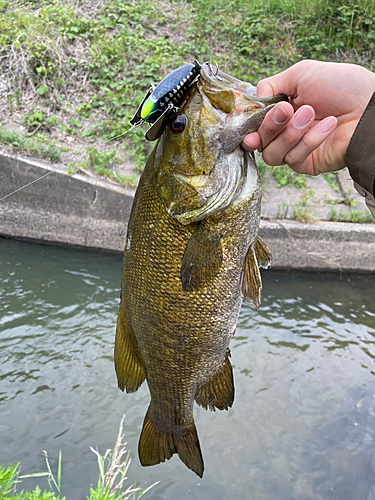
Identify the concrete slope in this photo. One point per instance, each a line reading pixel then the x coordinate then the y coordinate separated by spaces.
pixel 73 210
pixel 87 212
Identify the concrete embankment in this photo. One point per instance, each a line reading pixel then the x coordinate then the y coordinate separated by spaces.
pixel 87 212
pixel 73 210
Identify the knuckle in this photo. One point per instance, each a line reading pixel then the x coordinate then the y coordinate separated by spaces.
pixel 299 153
pixel 292 161
pixel 305 143
pixel 302 65
pixel 269 158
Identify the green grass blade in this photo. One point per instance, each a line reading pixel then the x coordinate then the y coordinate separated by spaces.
pixel 59 472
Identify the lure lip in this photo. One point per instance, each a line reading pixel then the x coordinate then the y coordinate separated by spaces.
pixel 137 119
pixel 158 127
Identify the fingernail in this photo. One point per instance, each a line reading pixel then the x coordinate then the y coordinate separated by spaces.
pixel 303 117
pixel 247 147
pixel 327 125
pixel 279 115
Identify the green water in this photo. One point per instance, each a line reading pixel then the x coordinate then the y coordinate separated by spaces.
pixel 303 422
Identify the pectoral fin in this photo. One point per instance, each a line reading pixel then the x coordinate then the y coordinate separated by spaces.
pixel 218 392
pixel 251 281
pixel 202 259
pixel 129 366
pixel 262 253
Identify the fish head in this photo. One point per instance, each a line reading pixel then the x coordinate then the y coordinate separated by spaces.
pixel 200 166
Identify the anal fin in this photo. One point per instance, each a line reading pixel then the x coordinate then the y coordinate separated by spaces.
pixel 218 392
pixel 202 259
pixel 156 446
pixel 129 366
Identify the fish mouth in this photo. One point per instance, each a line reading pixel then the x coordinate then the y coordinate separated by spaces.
pixel 217 78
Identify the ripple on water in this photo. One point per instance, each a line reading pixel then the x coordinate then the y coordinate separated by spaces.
pixel 302 425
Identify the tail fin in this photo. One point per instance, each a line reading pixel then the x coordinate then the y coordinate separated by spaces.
pixel 156 446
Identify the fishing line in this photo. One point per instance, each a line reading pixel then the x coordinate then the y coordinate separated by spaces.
pixel 52 171
pixel 186 76
pixel 23 187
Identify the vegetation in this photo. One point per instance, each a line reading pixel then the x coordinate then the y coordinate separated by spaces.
pixel 113 467
pixel 74 70
pixel 303 215
pixel 351 216
pixel 36 146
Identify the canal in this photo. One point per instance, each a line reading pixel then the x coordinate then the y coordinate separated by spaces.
pixel 303 421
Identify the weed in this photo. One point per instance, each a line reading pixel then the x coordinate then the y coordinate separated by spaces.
pixel 14 101
pixel 285 176
pixel 8 480
pixel 37 146
pixel 304 215
pixel 37 120
pixel 305 197
pixel 264 171
pixel 351 216
pixel 282 211
pixel 113 467
pixel 331 178
pixel 348 199
pixel 112 473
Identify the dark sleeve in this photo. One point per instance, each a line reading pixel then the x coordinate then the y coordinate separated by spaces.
pixel 360 156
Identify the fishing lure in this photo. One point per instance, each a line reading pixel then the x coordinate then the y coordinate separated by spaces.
pixel 162 102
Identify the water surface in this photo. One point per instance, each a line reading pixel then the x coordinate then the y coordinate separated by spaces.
pixel 302 425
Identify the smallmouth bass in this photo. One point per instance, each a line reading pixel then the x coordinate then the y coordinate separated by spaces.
pixel 192 255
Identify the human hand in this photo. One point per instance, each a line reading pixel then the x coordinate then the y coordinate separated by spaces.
pixel 312 133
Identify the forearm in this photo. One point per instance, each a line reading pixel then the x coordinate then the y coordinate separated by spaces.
pixel 360 157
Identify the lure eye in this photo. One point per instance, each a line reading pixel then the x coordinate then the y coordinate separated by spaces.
pixel 178 125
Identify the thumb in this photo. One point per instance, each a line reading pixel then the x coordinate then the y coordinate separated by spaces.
pixel 282 83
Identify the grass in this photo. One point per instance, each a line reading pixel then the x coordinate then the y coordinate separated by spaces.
pixel 359 216
pixel 76 70
pixel 331 178
pixel 38 146
pixel 303 215
pixel 113 467
pixel 287 177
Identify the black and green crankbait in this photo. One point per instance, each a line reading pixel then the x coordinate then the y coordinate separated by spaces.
pixel 162 102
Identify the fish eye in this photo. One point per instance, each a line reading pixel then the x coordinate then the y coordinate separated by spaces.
pixel 178 124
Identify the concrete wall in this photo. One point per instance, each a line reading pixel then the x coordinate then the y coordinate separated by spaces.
pixel 337 246
pixel 89 213
pixel 72 210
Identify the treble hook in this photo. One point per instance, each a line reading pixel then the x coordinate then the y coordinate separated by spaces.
pixel 215 70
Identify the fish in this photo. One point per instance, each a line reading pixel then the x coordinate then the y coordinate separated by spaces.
pixel 192 255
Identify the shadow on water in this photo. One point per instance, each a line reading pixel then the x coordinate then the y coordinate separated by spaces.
pixel 302 425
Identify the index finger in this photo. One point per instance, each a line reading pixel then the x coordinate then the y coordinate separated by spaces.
pixel 282 83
